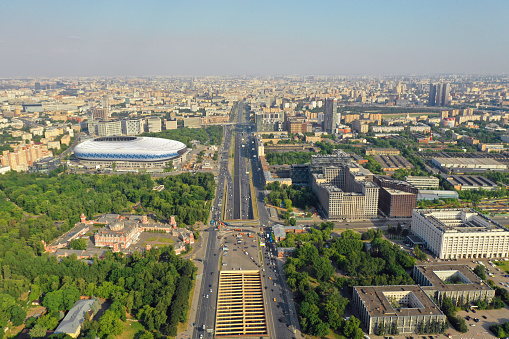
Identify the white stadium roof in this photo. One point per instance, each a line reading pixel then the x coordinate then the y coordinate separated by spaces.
pixel 128 148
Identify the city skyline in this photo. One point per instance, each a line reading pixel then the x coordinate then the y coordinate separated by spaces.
pixel 57 38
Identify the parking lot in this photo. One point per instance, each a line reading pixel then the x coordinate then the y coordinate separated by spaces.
pixel 236 245
pixel 480 329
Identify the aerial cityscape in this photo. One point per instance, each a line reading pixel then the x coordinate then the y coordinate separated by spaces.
pixel 254 170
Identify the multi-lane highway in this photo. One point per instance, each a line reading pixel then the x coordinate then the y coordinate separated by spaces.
pixel 242 207
pixel 282 315
pixel 233 201
pixel 205 315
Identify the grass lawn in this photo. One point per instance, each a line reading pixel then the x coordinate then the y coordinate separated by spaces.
pixel 131 328
pixel 161 239
pixel 504 265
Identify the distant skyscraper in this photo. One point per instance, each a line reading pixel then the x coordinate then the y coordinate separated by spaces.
pixel 446 91
pixel 439 94
pixel 330 116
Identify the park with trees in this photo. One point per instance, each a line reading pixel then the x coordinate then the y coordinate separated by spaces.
pixel 294 195
pixel 322 271
pixel 212 135
pixel 288 158
pixel 152 287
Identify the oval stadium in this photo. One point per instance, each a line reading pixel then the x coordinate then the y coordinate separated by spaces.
pixel 128 148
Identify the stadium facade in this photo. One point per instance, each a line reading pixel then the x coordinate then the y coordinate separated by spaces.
pixel 129 152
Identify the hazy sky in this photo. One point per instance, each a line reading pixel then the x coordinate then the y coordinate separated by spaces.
pixel 257 37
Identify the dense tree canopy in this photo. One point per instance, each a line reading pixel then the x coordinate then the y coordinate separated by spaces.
pixel 333 264
pixel 39 207
pixel 212 135
pixel 288 158
pixel 65 197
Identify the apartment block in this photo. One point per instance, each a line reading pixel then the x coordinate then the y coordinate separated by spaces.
pixel 192 122
pixel 132 126
pixel 154 125
pixel 24 156
pixel 360 126
pixel 109 128
pixel 346 191
pixel 386 129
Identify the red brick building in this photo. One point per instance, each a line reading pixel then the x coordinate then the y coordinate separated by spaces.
pixel 396 198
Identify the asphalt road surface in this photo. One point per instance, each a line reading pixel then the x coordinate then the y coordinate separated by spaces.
pixel 205 315
pixel 242 207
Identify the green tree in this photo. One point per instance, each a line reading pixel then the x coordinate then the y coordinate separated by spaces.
pixel 78 244
pixel 37 332
pixel 480 271
pixel 18 315
pixel 352 329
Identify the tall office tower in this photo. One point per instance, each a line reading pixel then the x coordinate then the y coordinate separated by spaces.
pixel 330 116
pixel 446 91
pixel 432 95
pixel 37 86
pixel 439 94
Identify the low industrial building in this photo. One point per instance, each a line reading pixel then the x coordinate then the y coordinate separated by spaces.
pixel 470 182
pixel 382 151
pixel 401 307
pixel 466 164
pixel 436 195
pixel 422 182
pixel 457 282
pixel 461 233
pixel 391 163
pixel 45 165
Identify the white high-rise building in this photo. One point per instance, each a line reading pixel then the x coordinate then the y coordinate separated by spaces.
pixel 461 233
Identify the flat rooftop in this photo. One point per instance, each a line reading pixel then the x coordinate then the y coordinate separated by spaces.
pixel 240 304
pixel 392 191
pixel 465 280
pixel 467 161
pixel 461 220
pixel 392 161
pixel 471 180
pixel 376 299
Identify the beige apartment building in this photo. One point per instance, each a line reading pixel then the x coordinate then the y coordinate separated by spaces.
pixel 346 192
pixel 24 156
pixel 460 234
